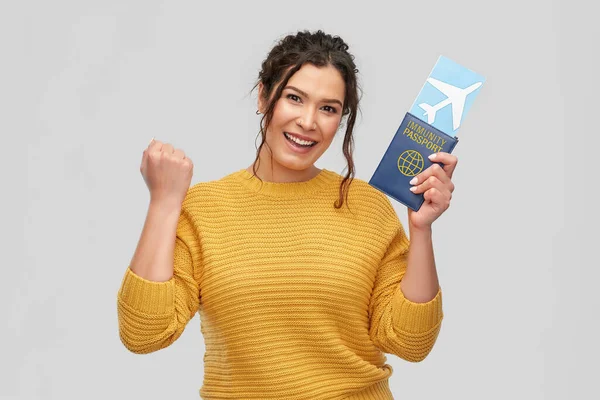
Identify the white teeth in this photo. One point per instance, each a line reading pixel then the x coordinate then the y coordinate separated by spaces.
pixel 299 141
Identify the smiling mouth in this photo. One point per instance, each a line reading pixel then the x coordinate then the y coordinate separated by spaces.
pixel 292 139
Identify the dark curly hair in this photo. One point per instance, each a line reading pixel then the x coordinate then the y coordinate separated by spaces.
pixel 321 50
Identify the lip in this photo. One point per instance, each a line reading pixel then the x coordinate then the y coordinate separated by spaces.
pixel 302 137
pixel 299 150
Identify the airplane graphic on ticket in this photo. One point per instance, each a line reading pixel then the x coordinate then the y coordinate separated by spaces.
pixel 449 84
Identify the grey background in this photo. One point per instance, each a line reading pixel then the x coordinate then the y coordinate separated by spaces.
pixel 85 85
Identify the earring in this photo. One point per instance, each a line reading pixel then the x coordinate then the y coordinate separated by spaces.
pixel 257 112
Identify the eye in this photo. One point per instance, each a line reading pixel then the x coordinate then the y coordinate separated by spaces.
pixel 331 109
pixel 293 97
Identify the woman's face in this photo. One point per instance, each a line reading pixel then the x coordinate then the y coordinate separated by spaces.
pixel 310 106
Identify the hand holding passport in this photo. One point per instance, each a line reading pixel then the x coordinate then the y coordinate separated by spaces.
pixel 429 127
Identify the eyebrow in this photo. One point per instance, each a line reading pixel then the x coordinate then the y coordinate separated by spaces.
pixel 303 93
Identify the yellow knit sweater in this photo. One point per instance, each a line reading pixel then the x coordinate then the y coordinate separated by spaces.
pixel 297 299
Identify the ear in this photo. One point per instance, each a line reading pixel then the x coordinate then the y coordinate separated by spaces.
pixel 260 103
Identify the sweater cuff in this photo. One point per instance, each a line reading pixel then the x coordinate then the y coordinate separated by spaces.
pixel 417 318
pixel 149 297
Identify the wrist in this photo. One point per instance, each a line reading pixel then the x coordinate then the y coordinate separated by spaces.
pixel 419 230
pixel 165 209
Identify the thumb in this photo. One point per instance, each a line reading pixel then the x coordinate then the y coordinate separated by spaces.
pixel 144 161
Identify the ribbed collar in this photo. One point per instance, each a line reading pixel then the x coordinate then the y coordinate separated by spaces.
pixel 285 189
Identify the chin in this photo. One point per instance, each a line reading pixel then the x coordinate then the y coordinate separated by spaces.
pixel 295 165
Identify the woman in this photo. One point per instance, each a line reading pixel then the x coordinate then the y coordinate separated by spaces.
pixel 303 279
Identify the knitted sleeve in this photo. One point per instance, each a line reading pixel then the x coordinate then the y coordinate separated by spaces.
pixel 397 325
pixel 152 315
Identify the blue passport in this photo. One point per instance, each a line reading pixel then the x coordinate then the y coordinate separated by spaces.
pixel 406 156
pixel 429 127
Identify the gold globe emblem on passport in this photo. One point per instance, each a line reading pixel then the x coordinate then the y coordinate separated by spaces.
pixel 410 163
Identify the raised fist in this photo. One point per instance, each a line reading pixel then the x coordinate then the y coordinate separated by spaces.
pixel 167 173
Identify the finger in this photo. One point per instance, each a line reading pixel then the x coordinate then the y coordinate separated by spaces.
pixel 144 161
pixel 437 198
pixel 429 195
pixel 433 170
pixel 167 148
pixel 189 164
pixel 179 154
pixel 431 182
pixel 155 145
pixel 448 160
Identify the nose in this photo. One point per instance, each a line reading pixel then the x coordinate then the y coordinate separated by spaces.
pixel 307 121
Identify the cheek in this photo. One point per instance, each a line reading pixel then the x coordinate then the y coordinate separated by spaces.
pixel 330 126
pixel 283 112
